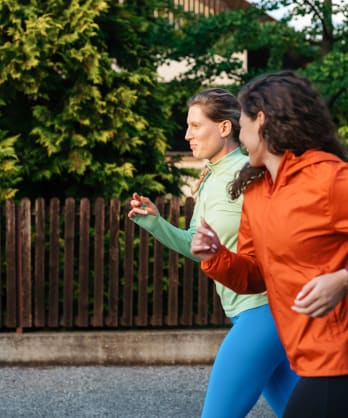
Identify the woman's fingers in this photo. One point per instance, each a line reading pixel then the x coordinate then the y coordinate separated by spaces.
pixel 141 205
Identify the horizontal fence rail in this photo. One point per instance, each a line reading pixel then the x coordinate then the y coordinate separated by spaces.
pixel 81 264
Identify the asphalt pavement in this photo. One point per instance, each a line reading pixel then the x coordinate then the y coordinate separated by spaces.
pixel 118 392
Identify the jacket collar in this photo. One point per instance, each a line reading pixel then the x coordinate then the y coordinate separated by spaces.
pixel 225 161
pixel 290 165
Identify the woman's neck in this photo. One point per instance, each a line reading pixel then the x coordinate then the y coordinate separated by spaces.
pixel 272 162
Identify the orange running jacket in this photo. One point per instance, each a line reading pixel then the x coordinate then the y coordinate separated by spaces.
pixel 291 231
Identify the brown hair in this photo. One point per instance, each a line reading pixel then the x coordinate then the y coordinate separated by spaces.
pixel 219 105
pixel 296 119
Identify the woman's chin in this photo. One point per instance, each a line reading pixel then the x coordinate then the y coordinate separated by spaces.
pixel 255 163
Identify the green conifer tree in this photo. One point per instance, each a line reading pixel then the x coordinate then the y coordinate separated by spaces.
pixel 81 109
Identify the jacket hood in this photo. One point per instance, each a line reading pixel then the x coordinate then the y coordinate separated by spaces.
pixel 290 164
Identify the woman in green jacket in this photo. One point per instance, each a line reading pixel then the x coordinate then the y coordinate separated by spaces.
pixel 251 359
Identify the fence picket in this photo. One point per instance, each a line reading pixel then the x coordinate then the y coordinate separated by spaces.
pixel 188 273
pixel 1 270
pixel 54 252
pixel 40 264
pixel 128 271
pixel 173 270
pixel 69 246
pixel 24 264
pixel 202 302
pixel 98 288
pixel 113 278
pixel 157 298
pixel 83 278
pixel 143 279
pixel 11 264
pixel 217 316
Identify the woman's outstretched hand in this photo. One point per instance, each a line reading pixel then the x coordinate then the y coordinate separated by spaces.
pixel 321 294
pixel 141 205
pixel 205 243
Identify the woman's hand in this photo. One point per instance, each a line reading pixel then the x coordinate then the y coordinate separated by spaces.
pixel 142 206
pixel 205 243
pixel 320 295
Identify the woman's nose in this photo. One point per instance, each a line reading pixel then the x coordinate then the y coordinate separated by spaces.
pixel 188 136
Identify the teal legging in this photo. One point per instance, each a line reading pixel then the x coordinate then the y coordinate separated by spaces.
pixel 251 361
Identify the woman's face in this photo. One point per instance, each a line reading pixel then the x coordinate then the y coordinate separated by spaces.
pixel 207 138
pixel 251 139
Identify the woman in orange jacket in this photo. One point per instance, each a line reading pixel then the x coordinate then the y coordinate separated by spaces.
pixel 293 236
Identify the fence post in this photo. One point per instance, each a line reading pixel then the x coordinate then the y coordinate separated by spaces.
pixel 53 290
pixel 69 239
pixel 187 291
pixel 85 214
pixel 202 302
pixel 128 269
pixel 39 268
pixel 24 265
pixel 11 265
pixel 218 315
pixel 98 288
pixel 114 248
pixel 173 271
pixel 1 271
pixel 157 300
pixel 143 278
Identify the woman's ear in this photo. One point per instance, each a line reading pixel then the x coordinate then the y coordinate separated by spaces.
pixel 260 118
pixel 225 128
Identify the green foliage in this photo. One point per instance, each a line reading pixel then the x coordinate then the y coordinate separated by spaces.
pixel 330 75
pixel 319 51
pixel 8 167
pixel 80 94
pixel 82 111
pixel 326 35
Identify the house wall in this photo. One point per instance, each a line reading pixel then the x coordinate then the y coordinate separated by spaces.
pixel 173 69
pixel 209 7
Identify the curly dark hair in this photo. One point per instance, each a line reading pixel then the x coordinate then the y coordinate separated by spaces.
pixel 296 119
pixel 219 105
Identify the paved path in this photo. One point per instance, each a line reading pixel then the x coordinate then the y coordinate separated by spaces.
pixel 118 392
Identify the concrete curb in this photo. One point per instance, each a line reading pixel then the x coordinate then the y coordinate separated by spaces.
pixel 162 347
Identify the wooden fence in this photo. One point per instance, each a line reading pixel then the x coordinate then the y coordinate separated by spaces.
pixel 71 265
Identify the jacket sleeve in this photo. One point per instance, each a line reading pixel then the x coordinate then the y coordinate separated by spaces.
pixel 338 199
pixel 169 235
pixel 238 271
pixel 235 271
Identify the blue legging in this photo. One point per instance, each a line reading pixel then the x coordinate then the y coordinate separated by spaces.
pixel 251 361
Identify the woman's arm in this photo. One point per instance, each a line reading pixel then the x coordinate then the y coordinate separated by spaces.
pixel 238 272
pixel 145 214
pixel 321 294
